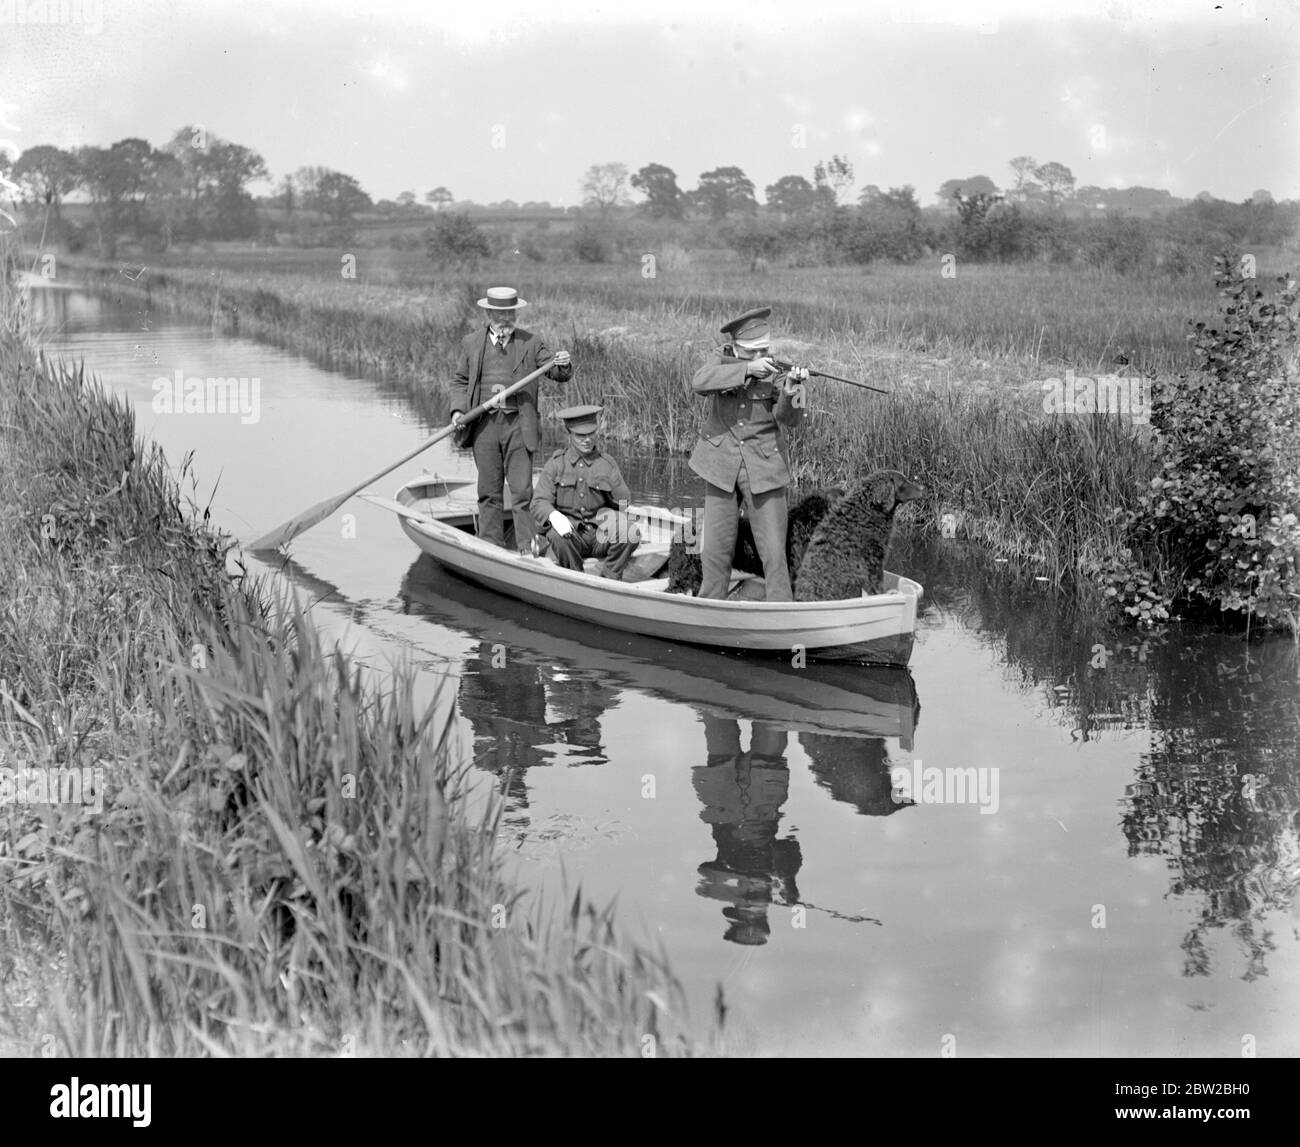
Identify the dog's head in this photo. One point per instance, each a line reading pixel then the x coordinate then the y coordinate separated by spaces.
pixel 888 489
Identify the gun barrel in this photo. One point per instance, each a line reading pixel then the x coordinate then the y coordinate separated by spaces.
pixel 785 367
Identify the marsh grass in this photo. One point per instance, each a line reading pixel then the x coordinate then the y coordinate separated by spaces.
pixel 286 861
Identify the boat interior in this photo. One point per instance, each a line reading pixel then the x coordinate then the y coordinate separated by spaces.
pixel 454 500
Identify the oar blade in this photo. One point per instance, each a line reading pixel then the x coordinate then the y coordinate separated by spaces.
pixel 298 524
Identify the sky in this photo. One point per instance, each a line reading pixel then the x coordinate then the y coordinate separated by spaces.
pixel 506 100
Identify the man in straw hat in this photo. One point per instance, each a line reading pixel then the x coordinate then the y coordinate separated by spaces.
pixel 741 454
pixel 504 439
pixel 581 500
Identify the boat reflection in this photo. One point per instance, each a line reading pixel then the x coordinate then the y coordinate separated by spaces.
pixel 843 700
pixel 539 683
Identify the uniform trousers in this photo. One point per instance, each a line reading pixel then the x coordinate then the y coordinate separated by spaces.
pixel 601 538
pixel 767 514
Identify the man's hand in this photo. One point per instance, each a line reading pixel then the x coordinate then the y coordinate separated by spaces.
pixel 760 367
pixel 562 358
pixel 794 376
pixel 560 524
pixel 457 418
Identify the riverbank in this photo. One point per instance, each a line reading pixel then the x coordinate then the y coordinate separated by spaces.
pixel 216 837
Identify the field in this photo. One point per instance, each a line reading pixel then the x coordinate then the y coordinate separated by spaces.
pixel 965 359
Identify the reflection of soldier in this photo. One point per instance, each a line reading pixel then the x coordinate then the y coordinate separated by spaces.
pixel 505 702
pixel 742 794
pixel 578 701
pixel 855 769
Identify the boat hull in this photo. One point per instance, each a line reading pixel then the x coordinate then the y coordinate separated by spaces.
pixel 874 630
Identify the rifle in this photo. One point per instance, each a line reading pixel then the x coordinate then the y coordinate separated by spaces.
pixel 786 367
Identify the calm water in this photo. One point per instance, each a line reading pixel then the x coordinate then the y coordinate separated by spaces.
pixel 1118 887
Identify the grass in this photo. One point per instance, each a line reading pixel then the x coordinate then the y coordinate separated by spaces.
pixel 287 861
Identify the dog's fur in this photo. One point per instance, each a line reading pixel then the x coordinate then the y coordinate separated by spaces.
pixel 685 572
pixel 846 556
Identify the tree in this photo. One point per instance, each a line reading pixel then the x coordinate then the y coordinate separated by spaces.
pixel 833 178
pixel 790 195
pixel 46 174
pixel 406 200
pixel 288 196
pixel 725 190
pixel 339 196
pixel 975 185
pixel 1057 180
pixel 890 224
pixel 975 236
pixel 439 198
pixel 232 166
pixel 663 198
pixel 1262 197
pixel 605 187
pixel 1023 168
pixel 212 179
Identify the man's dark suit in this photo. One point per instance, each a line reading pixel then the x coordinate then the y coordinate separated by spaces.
pixel 503 443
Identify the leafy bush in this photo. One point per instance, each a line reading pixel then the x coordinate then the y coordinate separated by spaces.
pixel 589 245
pixel 1118 243
pixel 455 240
pixel 1218 525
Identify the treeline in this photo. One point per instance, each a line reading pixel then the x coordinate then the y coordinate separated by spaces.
pixel 196 189
pixel 1041 216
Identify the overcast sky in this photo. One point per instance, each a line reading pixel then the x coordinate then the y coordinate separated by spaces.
pixel 502 100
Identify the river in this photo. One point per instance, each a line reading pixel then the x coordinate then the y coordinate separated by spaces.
pixel 1122 879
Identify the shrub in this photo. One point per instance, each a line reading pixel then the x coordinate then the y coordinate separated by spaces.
pixel 1117 243
pixel 589 245
pixel 454 240
pixel 1218 525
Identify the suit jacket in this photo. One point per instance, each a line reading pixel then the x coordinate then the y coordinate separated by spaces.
pixel 526 352
pixel 745 422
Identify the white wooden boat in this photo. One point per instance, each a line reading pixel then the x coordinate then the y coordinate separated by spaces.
pixel 437 514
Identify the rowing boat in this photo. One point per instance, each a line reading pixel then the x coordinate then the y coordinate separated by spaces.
pixel 437 514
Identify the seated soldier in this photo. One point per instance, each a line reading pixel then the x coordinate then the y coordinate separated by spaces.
pixel 580 501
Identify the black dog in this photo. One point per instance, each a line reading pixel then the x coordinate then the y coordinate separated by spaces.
pixel 846 556
pixel 685 572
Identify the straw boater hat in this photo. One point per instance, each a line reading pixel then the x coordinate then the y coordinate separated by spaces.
pixel 501 299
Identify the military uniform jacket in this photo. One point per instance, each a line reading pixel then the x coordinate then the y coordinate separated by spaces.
pixel 747 426
pixel 526 352
pixel 578 487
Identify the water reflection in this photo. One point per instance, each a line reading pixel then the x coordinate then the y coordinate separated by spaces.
pixel 854 771
pixel 505 701
pixel 1217 795
pixel 742 793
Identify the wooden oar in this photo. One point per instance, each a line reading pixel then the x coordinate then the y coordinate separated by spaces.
pixel 322 510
